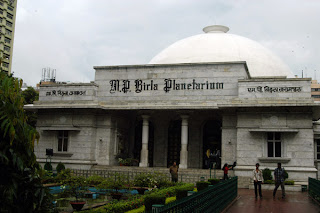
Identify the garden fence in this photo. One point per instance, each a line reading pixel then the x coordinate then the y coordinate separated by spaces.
pixel 186 178
pixel 213 199
pixel 314 188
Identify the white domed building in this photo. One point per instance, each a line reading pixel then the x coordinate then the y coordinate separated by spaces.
pixel 210 93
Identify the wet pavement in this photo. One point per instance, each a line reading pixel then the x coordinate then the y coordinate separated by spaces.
pixel 292 203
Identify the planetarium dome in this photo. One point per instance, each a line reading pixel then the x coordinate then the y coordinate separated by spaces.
pixel 216 45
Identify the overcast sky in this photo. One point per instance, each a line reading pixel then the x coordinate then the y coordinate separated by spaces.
pixel 72 36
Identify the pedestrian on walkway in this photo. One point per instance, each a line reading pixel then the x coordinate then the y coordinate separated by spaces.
pixel 279 175
pixel 174 172
pixel 257 180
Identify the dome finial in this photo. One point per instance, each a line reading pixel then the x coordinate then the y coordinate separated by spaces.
pixel 216 29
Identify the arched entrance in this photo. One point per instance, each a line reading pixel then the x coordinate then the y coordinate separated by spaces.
pixel 138 142
pixel 212 143
pixel 174 142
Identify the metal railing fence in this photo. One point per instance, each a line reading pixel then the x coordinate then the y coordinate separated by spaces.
pixel 314 188
pixel 183 177
pixel 213 199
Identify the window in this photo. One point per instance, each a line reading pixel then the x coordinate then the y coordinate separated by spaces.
pixel 9 24
pixel 10 16
pixel 6 56
pixel 8 32
pixel 6 48
pixel 315 96
pixel 1 3
pixel 0 20
pixel 5 64
pixel 274 144
pixel 7 40
pixel 318 148
pixel 10 8
pixel 314 89
pixel 1 11
pixel 62 141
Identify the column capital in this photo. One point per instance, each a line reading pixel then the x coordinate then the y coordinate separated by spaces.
pixel 145 117
pixel 184 117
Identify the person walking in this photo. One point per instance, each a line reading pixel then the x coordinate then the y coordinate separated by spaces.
pixel 279 175
pixel 174 172
pixel 257 180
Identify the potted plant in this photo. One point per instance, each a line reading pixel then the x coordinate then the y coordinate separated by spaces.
pixel 123 161
pixel 76 186
pixel 115 184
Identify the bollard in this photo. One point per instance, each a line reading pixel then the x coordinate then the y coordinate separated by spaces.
pixel 304 188
pixel 156 208
pixel 94 196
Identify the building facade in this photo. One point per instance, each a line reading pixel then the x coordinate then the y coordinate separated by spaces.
pixel 166 111
pixel 315 90
pixel 8 10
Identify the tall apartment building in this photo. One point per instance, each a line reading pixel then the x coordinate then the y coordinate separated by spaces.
pixel 7 25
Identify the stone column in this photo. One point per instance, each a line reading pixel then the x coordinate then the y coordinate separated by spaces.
pixel 184 142
pixel 145 138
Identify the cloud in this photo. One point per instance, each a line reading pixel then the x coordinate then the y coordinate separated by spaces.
pixel 75 35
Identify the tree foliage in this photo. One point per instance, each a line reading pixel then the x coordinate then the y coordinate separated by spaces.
pixel 20 186
pixel 30 95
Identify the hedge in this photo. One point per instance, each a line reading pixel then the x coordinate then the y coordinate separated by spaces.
pixel 126 205
pixel 213 181
pixel 201 185
pixel 152 199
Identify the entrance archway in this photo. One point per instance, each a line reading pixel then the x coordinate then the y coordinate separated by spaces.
pixel 174 142
pixel 212 143
pixel 138 142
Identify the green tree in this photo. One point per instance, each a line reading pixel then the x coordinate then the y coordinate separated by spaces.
pixel 30 95
pixel 20 186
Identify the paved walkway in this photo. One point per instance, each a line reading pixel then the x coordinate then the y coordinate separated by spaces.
pixel 294 202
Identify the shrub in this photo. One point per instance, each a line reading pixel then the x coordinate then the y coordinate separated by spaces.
pixel 63 175
pixel 289 182
pixel 95 180
pixel 286 174
pixel 266 173
pixel 269 182
pixel 138 200
pixel 161 180
pixel 181 193
pixel 213 181
pixel 123 205
pixel 153 199
pixel 75 185
pixel 201 185
pixel 60 167
pixel 170 200
pixel 117 182
pixel 144 180
pixel 47 166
